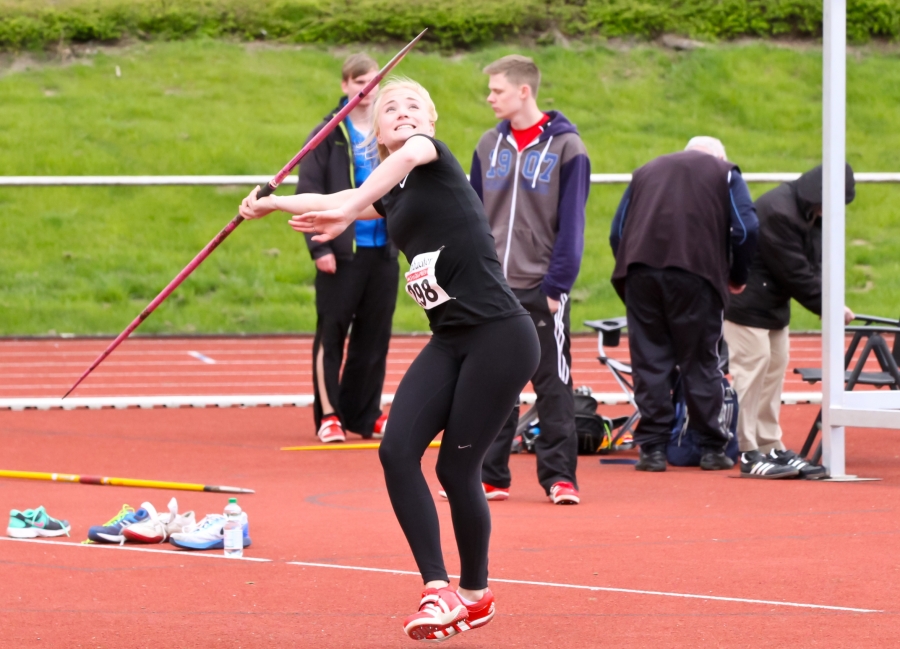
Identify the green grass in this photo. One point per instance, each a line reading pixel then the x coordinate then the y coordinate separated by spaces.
pixel 87 260
pixel 45 24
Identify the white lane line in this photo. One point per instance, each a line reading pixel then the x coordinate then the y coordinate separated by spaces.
pixel 606 589
pixel 145 363
pixel 299 400
pixel 521 582
pixel 151 375
pixel 202 358
pixel 129 548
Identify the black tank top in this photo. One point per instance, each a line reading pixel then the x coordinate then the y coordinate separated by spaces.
pixel 435 209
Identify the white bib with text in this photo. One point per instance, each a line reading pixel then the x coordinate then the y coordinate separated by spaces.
pixel 421 281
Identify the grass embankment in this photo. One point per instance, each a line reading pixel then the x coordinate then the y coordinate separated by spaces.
pixel 453 23
pixel 86 260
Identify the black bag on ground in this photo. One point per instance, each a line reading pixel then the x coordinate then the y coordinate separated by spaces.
pixel 590 427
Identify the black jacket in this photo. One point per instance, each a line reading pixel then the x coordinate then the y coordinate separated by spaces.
pixel 328 169
pixel 679 210
pixel 788 260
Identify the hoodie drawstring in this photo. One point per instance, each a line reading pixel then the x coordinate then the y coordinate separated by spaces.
pixel 496 148
pixel 537 171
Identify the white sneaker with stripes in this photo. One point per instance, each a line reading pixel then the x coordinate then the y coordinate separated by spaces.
pixel 756 465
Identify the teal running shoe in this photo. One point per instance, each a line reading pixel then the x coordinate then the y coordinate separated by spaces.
pixel 33 523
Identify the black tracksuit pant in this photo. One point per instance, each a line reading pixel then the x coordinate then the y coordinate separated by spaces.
pixel 464 382
pixel 363 292
pixel 674 319
pixel 557 445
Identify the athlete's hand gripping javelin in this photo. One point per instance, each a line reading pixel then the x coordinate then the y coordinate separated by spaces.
pixel 327 215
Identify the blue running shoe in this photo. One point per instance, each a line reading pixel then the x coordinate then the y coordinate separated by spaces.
pixel 33 523
pixel 208 534
pixel 112 531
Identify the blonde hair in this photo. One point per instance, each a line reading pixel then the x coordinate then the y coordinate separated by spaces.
pixel 397 83
pixel 519 70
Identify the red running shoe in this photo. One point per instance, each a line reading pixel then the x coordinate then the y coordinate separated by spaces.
pixel 480 613
pixel 331 430
pixel 564 493
pixel 380 426
pixel 490 492
pixel 439 609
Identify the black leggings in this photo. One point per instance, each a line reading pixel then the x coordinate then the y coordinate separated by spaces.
pixel 464 382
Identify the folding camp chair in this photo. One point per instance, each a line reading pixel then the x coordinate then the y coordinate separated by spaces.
pixel 609 334
pixel 873 331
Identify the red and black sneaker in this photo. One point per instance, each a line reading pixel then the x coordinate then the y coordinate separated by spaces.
pixel 480 613
pixel 439 609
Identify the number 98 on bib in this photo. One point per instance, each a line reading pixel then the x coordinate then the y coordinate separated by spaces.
pixel 421 281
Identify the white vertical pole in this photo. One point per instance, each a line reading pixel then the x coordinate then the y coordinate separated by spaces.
pixel 834 99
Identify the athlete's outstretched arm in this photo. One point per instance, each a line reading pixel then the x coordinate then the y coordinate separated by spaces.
pixel 327 223
pixel 253 208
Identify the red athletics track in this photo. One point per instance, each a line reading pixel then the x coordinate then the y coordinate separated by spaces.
pixel 277 365
pixel 790 547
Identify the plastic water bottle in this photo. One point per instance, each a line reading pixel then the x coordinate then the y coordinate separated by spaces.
pixel 234 531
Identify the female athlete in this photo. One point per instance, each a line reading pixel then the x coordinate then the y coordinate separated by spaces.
pixel 467 378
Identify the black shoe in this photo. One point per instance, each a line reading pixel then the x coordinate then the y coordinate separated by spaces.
pixel 756 465
pixel 715 461
pixel 654 461
pixel 807 469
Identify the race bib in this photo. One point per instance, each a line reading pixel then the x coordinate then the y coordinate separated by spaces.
pixel 421 281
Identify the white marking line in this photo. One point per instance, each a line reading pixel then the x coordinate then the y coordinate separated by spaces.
pixel 630 591
pixel 200 357
pixel 128 548
pixel 275 400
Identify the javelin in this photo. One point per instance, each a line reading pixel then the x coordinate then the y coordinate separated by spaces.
pixel 267 190
pixel 346 447
pixel 122 482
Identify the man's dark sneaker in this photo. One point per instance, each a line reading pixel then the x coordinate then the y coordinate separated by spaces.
pixel 807 469
pixel 756 465
pixel 715 461
pixel 653 461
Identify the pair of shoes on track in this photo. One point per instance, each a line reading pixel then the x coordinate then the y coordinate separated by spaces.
pixel 443 614
pixel 561 493
pixel 490 492
pixel 654 461
pixel 34 523
pixel 778 465
pixel 331 430
pixel 142 526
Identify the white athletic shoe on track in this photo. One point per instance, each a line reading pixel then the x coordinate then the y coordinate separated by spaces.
pixel 158 527
pixel 208 534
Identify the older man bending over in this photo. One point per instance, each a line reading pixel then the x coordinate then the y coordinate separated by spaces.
pixel 683 238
